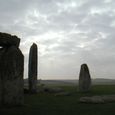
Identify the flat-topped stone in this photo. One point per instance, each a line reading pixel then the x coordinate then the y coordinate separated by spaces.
pixel 9 40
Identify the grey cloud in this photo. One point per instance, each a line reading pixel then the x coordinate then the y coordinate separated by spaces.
pixel 82 30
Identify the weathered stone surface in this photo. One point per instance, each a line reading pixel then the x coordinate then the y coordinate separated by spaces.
pixel 108 98
pixel 0 90
pixel 1 82
pixel 84 79
pixel 32 73
pixel 9 40
pixel 11 73
pixel 94 99
pixel 98 99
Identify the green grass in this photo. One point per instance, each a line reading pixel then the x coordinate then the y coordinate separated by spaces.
pixel 49 104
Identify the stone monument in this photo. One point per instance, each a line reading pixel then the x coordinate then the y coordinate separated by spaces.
pixel 84 79
pixel 32 69
pixel 11 70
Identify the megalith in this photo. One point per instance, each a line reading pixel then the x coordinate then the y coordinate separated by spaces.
pixel 32 69
pixel 0 92
pixel 9 40
pixel 0 89
pixel 84 79
pixel 11 70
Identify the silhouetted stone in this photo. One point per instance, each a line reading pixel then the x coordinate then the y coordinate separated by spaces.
pixel 32 73
pixel 11 72
pixel 0 91
pixel 84 79
pixel 8 40
pixel 1 82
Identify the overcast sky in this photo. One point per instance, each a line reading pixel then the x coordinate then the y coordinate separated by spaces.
pixel 68 33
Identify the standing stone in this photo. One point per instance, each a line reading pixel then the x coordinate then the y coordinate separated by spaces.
pixel 0 92
pixel 1 52
pixel 33 69
pixel 11 74
pixel 84 79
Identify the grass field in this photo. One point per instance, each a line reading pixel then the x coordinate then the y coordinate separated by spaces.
pixel 49 104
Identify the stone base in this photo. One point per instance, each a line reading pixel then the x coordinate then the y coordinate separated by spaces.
pixel 13 92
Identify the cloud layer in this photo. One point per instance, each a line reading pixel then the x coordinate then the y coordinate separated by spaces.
pixel 68 33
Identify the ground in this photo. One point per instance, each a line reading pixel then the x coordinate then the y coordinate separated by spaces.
pixel 48 104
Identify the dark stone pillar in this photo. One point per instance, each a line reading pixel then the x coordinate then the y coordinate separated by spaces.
pixel 12 76
pixel 0 91
pixel 0 79
pixel 32 69
pixel 84 79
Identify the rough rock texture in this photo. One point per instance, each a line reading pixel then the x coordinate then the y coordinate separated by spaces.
pixel 0 91
pixel 32 73
pixel 98 99
pixel 94 99
pixel 9 40
pixel 11 75
pixel 0 80
pixel 84 79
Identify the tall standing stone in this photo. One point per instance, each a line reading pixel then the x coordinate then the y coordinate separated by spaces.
pixel 11 71
pixel 84 79
pixel 0 85
pixel 0 92
pixel 32 70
